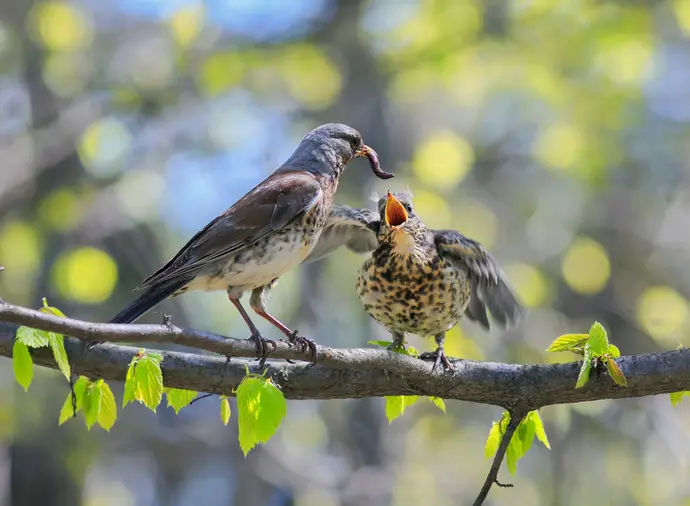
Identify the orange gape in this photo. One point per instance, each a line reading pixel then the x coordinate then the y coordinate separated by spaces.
pixel 396 214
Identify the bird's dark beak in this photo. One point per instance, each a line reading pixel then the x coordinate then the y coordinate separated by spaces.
pixel 370 154
pixel 396 215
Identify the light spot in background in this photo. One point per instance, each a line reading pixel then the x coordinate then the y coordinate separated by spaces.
pixel 465 78
pixel 586 267
pixel 220 72
pixel 60 26
pixel 20 254
pixel 661 311
pixel 312 78
pixel 625 60
pixel 60 209
pixel 186 23
pixel 529 282
pixel 152 65
pixel 681 9
pixel 104 145
pixel 559 146
pixel 85 275
pixel 139 193
pixel 110 493
pixel 476 221
pixel 66 74
pixel 432 209
pixel 443 160
pixel 411 84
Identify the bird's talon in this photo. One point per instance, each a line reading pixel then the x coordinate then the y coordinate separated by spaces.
pixel 89 345
pixel 303 344
pixel 262 347
pixel 439 357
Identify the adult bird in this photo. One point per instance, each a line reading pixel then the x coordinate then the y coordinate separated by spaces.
pixel 417 280
pixel 263 235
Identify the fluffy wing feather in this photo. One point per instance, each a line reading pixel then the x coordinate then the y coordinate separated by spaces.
pixel 356 229
pixel 488 284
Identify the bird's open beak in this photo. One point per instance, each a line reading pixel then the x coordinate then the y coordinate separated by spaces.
pixel 396 215
pixel 370 154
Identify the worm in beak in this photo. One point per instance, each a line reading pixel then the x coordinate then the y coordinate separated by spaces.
pixel 373 161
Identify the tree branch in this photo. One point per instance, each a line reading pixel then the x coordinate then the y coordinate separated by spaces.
pixel 346 373
pixel 515 419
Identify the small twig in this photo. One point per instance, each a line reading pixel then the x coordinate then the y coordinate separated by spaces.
pixel 73 395
pixel 515 419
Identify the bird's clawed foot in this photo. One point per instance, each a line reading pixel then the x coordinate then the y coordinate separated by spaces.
pixel 89 345
pixel 262 346
pixel 438 356
pixel 303 344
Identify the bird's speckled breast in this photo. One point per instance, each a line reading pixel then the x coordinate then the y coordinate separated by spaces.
pixel 422 295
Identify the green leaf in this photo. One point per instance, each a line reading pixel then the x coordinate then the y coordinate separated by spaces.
pixel 677 397
pixel 616 373
pixel 493 441
pixel 262 408
pixel 583 377
pixel 385 344
pixel 130 382
pixel 107 409
pixel 539 428
pixel 598 340
pixel 395 406
pixel 568 341
pixel 225 411
pixel 149 382
pixel 51 310
pixel 157 357
pixel 23 365
pixel 178 398
pixel 57 343
pixel 33 338
pixel 67 412
pixel 614 351
pixel 91 404
pixel 438 402
pixel 526 430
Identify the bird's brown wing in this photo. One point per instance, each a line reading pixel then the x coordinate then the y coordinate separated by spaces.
pixel 488 284
pixel 346 226
pixel 270 206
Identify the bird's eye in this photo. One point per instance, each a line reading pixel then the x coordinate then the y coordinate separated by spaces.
pixel 407 207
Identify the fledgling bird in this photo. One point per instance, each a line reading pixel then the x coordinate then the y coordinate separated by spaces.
pixel 418 280
pixel 263 235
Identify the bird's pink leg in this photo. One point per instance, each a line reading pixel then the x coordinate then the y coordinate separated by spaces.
pixel 261 342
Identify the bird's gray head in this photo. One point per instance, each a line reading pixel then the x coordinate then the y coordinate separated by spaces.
pixel 400 226
pixel 329 148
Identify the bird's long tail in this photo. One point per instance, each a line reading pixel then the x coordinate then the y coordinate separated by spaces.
pixel 146 301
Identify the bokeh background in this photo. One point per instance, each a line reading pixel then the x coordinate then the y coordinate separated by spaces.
pixel 556 133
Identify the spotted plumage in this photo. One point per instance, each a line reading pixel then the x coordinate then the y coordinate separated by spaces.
pixel 269 231
pixel 417 280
